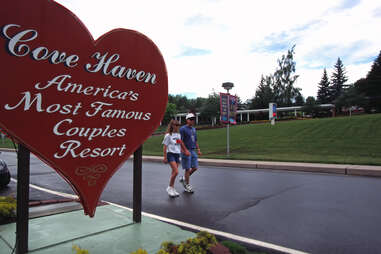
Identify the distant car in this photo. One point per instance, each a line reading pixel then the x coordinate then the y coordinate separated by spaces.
pixel 5 176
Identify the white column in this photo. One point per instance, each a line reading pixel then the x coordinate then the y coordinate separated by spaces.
pixel 248 117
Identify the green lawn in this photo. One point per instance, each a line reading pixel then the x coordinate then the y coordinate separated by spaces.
pixel 6 143
pixel 346 140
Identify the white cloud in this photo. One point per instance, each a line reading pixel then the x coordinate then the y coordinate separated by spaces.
pixel 238 41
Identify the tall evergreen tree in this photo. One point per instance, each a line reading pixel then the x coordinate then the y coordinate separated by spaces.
pixel 338 80
pixel 375 71
pixel 323 94
pixel 370 87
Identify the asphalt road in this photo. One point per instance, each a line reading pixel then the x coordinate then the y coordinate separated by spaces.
pixel 316 213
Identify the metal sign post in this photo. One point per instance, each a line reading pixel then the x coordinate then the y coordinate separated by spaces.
pixel 228 130
pixel 227 86
pixel 22 227
pixel 137 188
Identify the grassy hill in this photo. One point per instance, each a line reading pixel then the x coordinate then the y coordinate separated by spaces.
pixel 347 140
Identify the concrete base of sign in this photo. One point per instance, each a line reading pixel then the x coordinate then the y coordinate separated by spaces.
pixel 110 231
pixel 50 209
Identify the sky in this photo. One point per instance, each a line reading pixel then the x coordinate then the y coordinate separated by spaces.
pixel 208 42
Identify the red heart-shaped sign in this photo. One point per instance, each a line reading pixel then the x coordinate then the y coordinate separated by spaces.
pixel 81 105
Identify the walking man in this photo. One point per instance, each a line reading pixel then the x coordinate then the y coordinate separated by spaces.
pixel 189 163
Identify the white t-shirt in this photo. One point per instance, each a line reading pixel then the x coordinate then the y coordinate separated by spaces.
pixel 171 142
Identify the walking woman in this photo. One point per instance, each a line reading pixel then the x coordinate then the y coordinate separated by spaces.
pixel 171 151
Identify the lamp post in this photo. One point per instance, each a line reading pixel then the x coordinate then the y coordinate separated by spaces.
pixel 227 86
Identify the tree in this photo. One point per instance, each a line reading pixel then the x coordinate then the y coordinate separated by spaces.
pixel 181 102
pixel 324 95
pixel 211 108
pixel 170 112
pixel 195 105
pixel 240 104
pixel 264 94
pixel 310 106
pixel 350 97
pixel 338 80
pixel 279 87
pixel 375 71
pixel 299 100
pixel 371 86
pixel 284 80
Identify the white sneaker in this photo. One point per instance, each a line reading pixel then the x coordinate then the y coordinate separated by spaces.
pixel 188 188
pixel 170 192
pixel 175 192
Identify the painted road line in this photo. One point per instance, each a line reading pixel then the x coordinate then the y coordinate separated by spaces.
pixel 65 195
pixel 185 225
pixel 216 232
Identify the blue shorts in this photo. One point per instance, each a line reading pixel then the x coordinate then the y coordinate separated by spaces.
pixel 173 157
pixel 191 161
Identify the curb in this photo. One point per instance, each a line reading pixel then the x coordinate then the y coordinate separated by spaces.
pixel 7 150
pixel 340 169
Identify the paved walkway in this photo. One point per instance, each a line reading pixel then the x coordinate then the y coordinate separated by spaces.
pixel 110 231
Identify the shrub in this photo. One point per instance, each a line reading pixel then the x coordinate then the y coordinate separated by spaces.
pixel 139 251
pixel 7 207
pixel 198 245
pixel 234 248
pixel 78 250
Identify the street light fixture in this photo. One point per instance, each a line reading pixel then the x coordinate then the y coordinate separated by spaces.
pixel 227 86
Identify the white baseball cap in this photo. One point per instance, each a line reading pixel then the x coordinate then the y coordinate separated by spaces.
pixel 190 115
